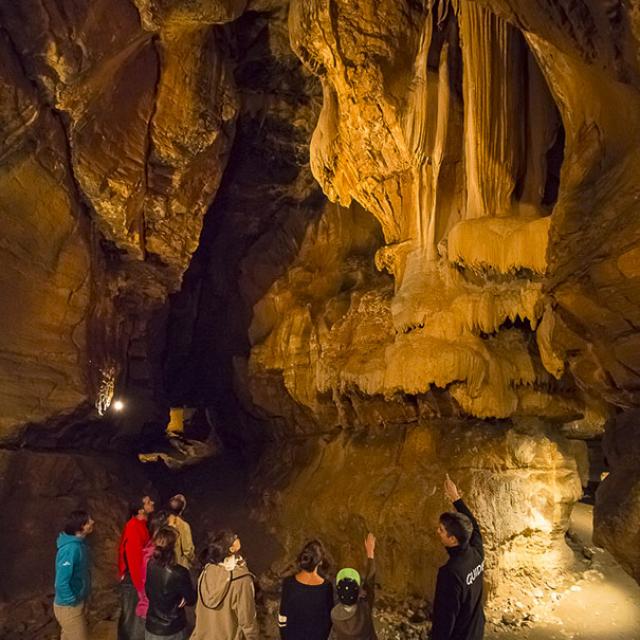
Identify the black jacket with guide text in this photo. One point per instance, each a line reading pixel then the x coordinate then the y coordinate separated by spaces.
pixel 458 605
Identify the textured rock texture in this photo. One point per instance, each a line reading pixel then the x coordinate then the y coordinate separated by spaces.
pixel 114 143
pixel 617 512
pixel 479 257
pixel 448 122
pixel 521 485
pixel 45 257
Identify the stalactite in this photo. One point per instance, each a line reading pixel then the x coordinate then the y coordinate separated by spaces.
pixel 492 59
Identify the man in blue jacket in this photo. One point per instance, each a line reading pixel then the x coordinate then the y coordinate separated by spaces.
pixel 73 578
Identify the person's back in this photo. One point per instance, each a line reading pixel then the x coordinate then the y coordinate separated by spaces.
pixel 458 604
pixel 225 608
pixel 352 617
pixel 169 590
pixel 307 598
pixel 308 609
pixel 353 622
pixel 185 550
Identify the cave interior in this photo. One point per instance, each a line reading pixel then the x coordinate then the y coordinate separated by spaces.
pixel 298 260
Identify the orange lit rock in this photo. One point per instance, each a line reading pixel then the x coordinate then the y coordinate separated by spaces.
pixel 521 485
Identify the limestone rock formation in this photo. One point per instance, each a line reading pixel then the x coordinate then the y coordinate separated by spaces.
pixel 520 484
pixel 113 149
pixel 476 269
pixel 46 262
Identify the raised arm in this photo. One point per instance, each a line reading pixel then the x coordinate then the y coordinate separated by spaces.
pixel 370 575
pixel 451 491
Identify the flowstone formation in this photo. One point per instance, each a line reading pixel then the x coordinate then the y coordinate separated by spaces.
pixel 495 144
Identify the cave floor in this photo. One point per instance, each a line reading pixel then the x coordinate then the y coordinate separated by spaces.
pixel 603 604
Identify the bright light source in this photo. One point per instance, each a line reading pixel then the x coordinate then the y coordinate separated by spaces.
pixel 118 405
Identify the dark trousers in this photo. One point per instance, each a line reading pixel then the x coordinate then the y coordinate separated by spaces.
pixel 130 626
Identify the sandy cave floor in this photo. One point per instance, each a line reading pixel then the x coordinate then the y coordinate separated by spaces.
pixel 603 603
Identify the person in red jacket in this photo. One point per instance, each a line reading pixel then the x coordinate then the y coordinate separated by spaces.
pixel 134 538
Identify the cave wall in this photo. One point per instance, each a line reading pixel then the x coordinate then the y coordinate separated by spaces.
pixel 113 149
pixel 520 482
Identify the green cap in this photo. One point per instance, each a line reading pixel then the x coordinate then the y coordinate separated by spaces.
pixel 352 574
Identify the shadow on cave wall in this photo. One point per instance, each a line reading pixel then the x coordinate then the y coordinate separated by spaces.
pixel 267 184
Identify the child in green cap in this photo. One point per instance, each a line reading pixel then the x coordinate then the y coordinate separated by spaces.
pixel 353 617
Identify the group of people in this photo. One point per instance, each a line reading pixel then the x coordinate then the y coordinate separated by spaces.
pixel 156 562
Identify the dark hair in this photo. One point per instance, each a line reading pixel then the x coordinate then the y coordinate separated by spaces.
pixel 177 510
pixel 157 520
pixel 218 547
pixel 136 505
pixel 458 525
pixel 75 521
pixel 165 542
pixel 312 555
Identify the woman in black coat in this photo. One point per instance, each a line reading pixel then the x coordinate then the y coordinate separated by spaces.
pixel 169 590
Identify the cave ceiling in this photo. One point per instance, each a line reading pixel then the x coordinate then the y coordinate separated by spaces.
pixel 477 253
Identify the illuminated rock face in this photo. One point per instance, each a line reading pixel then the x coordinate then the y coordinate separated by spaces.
pixel 495 142
pixel 447 125
pixel 521 485
pixel 45 256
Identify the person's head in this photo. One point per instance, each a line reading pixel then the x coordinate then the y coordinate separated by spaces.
pixel 312 556
pixel 164 542
pixel 223 544
pixel 348 586
pixel 157 520
pixel 79 523
pixel 143 507
pixel 454 529
pixel 177 504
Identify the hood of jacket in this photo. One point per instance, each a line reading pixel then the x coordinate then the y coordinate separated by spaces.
pixel 65 539
pixel 215 582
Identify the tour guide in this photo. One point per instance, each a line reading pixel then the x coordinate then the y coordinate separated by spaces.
pixel 457 607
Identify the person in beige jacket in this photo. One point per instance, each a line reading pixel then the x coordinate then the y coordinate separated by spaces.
pixel 185 550
pixel 226 608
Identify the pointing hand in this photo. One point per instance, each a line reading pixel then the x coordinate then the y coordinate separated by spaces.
pixel 450 489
